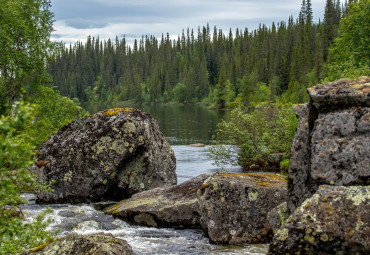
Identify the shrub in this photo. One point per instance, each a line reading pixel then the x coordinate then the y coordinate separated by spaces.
pixel 52 111
pixel 252 135
pixel 16 155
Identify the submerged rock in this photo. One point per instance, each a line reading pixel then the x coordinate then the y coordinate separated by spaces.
pixel 74 244
pixel 197 145
pixel 335 220
pixel 234 207
pixel 107 156
pixel 332 142
pixel 175 206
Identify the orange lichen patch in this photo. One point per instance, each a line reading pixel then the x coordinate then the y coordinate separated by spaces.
pixel 115 111
pixel 362 88
pixel 269 180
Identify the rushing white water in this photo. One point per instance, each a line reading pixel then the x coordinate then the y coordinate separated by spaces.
pixel 84 218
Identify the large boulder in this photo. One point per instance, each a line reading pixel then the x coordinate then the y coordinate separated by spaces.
pixel 175 206
pixel 109 155
pixel 335 220
pixel 332 142
pixel 74 244
pixel 234 207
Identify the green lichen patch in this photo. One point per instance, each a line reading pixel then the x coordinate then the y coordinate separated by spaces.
pixel 358 195
pixel 253 196
pixel 282 234
pixel 129 127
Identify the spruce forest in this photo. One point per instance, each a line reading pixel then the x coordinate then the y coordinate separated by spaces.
pixel 208 65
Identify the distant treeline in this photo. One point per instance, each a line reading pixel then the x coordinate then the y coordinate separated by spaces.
pixel 221 69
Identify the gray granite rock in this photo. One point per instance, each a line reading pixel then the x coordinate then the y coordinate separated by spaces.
pixel 234 207
pixel 332 142
pixel 175 206
pixel 74 244
pixel 335 220
pixel 107 156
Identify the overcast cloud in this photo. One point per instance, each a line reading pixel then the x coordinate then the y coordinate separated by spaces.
pixel 76 19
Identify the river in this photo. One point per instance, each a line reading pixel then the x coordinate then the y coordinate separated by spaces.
pixel 182 125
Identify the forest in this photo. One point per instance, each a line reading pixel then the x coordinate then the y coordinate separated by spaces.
pixel 209 65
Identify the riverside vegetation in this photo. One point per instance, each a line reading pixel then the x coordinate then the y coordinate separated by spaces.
pixel 272 65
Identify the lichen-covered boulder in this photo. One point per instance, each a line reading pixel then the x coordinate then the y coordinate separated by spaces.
pixel 277 216
pixel 234 207
pixel 335 220
pixel 74 244
pixel 109 155
pixel 175 206
pixel 332 142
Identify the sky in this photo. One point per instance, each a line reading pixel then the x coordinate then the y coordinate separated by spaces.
pixel 74 20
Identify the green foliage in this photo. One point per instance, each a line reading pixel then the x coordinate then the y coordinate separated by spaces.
pixel 284 165
pixel 19 236
pixel 179 93
pixel 52 112
pixel 255 134
pixel 350 55
pixel 262 93
pixel 16 156
pixel 145 95
pixel 25 28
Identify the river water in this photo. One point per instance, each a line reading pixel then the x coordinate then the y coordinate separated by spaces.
pixel 182 125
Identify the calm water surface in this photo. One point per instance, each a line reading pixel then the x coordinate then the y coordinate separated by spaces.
pixel 182 125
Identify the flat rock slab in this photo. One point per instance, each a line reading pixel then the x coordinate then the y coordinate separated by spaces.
pixel 75 244
pixel 106 156
pixel 335 220
pixel 234 207
pixel 175 206
pixel 340 94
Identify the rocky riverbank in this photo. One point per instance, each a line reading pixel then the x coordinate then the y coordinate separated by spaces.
pixel 323 207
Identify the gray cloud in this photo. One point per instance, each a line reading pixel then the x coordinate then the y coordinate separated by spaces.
pixel 75 20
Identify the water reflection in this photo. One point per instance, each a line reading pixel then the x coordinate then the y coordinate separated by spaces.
pixel 193 161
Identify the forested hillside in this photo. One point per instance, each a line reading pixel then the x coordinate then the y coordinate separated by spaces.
pixel 241 65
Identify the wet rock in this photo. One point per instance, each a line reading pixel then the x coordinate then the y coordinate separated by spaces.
pixel 74 244
pixel 175 206
pixel 335 220
pixel 234 207
pixel 277 216
pixel 67 214
pixel 332 142
pixel 107 156
pixel 88 225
